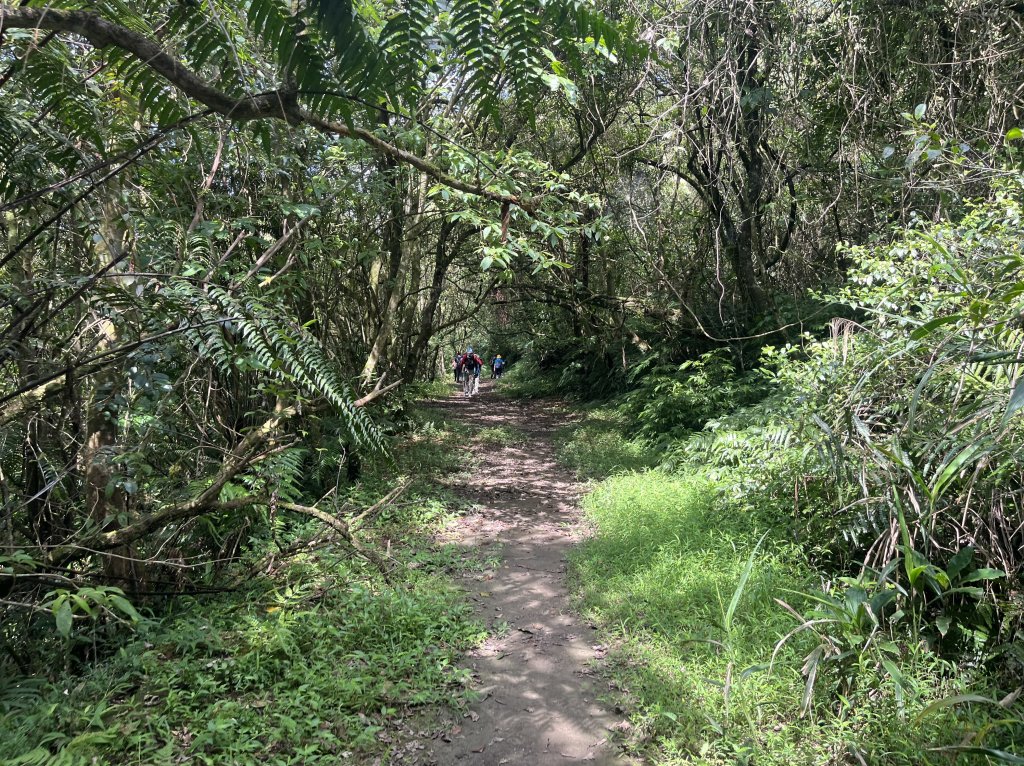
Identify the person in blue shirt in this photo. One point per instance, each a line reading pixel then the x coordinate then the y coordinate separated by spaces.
pixel 497 366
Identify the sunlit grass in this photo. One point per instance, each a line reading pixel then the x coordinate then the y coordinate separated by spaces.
pixel 596 446
pixel 667 557
pixel 504 436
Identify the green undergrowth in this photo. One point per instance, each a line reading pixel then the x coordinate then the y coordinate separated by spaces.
pixel 435 389
pixel 525 380
pixel 306 659
pixel 595 447
pixel 504 436
pixel 696 592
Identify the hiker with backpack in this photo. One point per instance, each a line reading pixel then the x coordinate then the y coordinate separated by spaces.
pixel 497 366
pixel 470 366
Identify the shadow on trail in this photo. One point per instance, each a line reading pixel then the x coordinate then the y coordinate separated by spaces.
pixel 538 701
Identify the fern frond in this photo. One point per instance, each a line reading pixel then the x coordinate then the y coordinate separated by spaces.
pixel 284 352
pixel 59 88
pixel 358 62
pixel 406 40
pixel 522 43
pixel 474 28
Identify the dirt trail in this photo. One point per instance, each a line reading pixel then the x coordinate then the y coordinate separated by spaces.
pixel 539 688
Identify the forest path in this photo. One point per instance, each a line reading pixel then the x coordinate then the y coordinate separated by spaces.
pixel 538 689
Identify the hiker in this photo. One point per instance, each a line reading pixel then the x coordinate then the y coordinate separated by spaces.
pixel 470 367
pixel 497 366
pixel 457 366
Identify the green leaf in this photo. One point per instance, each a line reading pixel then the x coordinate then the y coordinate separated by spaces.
pixel 894 673
pixel 951 469
pixel 984 573
pixel 999 755
pixel 960 562
pixel 881 600
pixel 64 618
pixel 956 699
pixel 913 573
pixel 973 591
pixel 1016 400
pixel 1014 134
pixel 919 111
pixel 125 607
pixel 738 593
pixel 747 672
pixel 300 209
pixel 927 327
pixel 83 604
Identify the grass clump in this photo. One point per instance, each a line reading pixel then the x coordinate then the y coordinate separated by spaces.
pixel 503 436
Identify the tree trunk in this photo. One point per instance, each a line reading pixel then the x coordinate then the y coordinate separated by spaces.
pixel 443 257
pixel 394 234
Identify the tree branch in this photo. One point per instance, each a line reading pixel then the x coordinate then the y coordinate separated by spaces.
pixel 378 390
pixel 239 458
pixel 342 528
pixel 281 104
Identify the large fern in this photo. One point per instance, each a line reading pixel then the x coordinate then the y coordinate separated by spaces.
pixel 333 55
pixel 523 43
pixel 60 92
pixel 284 351
pixel 407 37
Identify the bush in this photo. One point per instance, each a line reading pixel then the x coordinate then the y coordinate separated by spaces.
pixel 886 463
pixel 669 401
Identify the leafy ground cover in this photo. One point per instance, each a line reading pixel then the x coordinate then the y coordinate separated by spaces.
pixel 595 447
pixel 313 657
pixel 501 436
pixel 687 586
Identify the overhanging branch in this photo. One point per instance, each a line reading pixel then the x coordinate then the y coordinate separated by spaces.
pixel 281 104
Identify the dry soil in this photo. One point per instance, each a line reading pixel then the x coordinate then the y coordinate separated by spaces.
pixel 536 676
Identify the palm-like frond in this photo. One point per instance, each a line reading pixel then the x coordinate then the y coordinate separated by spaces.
pixel 284 351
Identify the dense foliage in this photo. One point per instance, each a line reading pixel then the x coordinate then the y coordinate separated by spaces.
pixel 219 222
pixel 781 240
pixel 873 494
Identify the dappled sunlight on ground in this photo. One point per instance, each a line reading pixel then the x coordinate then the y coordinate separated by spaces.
pixel 538 703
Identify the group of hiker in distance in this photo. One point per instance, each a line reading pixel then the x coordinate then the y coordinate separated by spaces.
pixel 467 369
